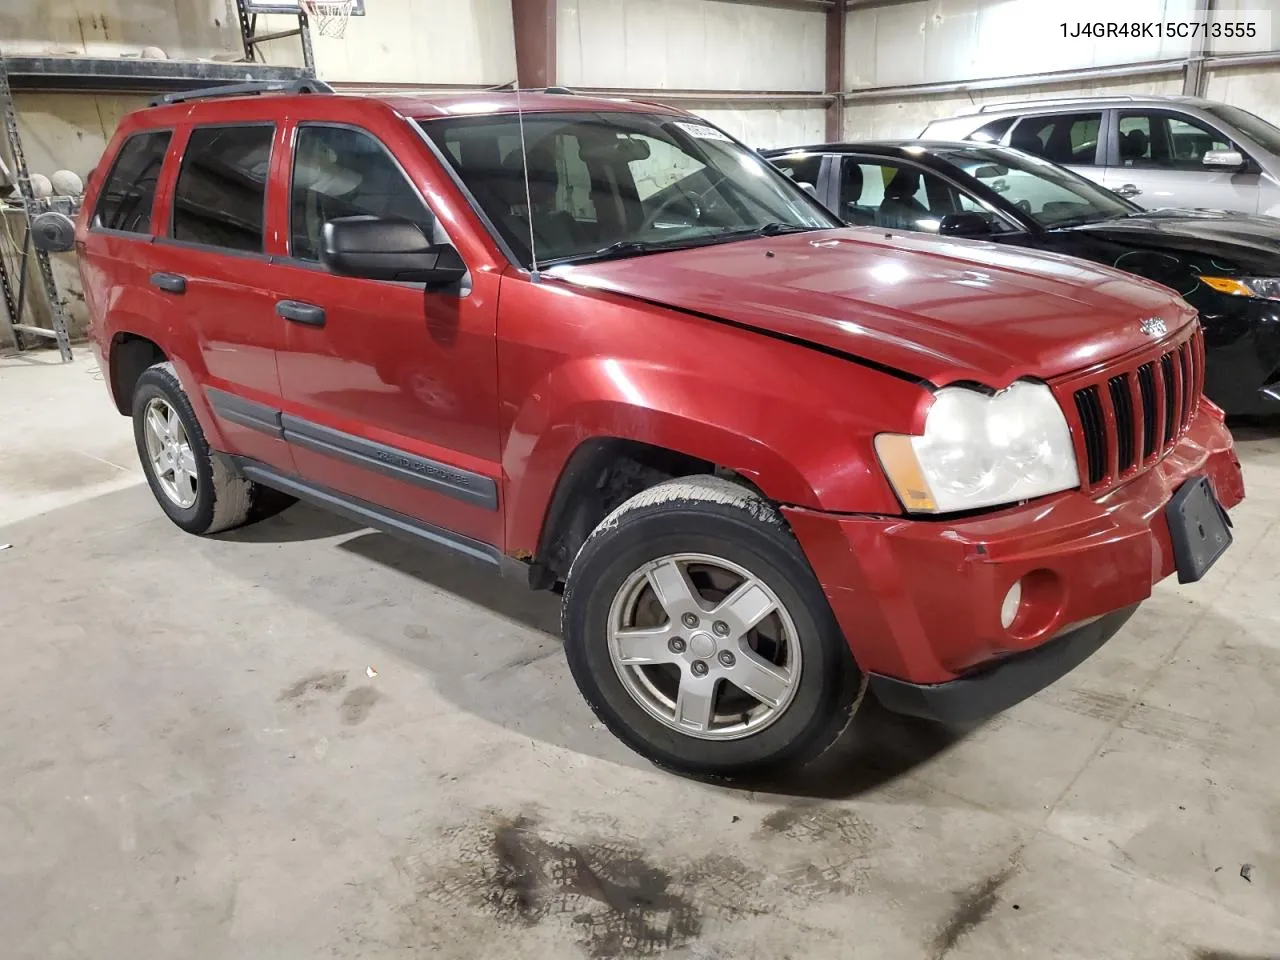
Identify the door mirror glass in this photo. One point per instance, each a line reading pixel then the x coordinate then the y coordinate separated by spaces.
pixel 808 188
pixel 965 225
pixel 383 248
pixel 1232 159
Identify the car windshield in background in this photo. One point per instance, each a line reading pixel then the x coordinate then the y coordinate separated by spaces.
pixel 605 185
pixel 1052 196
pixel 1255 128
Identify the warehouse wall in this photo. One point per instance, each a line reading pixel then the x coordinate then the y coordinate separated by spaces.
pixel 700 45
pixel 941 41
pixel 463 42
pixel 108 28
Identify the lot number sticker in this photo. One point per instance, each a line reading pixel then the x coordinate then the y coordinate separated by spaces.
pixel 702 131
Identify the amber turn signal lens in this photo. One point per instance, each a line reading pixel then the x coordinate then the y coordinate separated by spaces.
pixel 1227 285
pixel 898 459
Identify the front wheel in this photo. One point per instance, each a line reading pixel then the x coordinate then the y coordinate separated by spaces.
pixel 194 487
pixel 699 635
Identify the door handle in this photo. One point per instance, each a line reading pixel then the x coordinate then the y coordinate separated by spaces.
pixel 299 312
pixel 169 282
pixel 1129 190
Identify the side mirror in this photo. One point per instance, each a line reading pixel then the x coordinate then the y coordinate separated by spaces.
pixel 1229 159
pixel 965 225
pixel 808 188
pixel 377 248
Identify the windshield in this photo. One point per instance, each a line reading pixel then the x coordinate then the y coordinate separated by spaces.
pixel 1050 195
pixel 603 185
pixel 1255 128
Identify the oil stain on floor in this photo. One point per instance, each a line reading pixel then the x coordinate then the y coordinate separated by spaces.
pixel 607 896
pixel 616 899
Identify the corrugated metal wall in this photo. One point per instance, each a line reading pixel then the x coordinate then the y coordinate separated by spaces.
pixel 688 45
pixel 411 41
pixel 109 28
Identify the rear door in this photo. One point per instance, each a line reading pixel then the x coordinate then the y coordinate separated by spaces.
pixel 1160 153
pixel 212 267
pixel 390 389
pixel 116 252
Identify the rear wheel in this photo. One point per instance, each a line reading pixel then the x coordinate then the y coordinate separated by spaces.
pixel 194 487
pixel 697 632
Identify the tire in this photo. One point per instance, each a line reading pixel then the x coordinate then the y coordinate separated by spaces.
pixel 218 498
pixel 714 531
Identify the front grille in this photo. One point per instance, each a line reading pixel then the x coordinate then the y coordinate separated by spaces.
pixel 1132 417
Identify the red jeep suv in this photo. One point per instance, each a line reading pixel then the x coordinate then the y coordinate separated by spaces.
pixel 772 461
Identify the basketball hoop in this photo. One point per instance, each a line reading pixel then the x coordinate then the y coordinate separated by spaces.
pixel 331 16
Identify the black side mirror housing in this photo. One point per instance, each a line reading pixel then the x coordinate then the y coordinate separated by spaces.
pixel 382 248
pixel 967 224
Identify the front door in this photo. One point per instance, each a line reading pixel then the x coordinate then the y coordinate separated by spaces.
pixel 1160 154
pixel 390 391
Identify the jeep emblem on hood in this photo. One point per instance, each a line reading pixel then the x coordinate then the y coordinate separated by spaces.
pixel 1154 327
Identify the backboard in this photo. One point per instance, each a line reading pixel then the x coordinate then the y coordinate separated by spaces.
pixel 289 6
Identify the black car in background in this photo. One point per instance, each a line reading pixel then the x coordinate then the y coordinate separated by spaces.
pixel 1225 265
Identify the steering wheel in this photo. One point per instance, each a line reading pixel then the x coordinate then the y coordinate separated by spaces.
pixel 698 201
pixel 693 202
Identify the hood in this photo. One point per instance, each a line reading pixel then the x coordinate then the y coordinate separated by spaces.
pixel 936 308
pixel 1211 232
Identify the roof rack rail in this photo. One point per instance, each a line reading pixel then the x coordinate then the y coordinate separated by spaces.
pixel 511 86
pixel 309 85
pixel 992 107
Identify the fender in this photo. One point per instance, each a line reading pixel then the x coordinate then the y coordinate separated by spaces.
pixel 797 451
pixel 133 310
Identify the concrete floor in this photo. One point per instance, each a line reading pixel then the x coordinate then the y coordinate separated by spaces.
pixel 197 760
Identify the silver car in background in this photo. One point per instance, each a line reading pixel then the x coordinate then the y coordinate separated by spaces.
pixel 1157 151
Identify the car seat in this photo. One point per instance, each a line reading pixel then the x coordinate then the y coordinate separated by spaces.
pixel 851 193
pixel 1133 146
pixel 1026 140
pixel 900 208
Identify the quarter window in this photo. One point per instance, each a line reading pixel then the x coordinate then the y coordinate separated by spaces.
pixel 130 190
pixel 342 172
pixel 221 195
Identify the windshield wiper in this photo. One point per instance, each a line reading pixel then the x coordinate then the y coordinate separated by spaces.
pixel 773 228
pixel 621 248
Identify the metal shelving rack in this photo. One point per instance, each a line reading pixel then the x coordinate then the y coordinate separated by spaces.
pixel 63 74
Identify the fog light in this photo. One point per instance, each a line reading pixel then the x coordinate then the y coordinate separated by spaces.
pixel 1009 609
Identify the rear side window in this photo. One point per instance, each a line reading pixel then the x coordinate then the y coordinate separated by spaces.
pixel 341 172
pixel 221 196
pixel 130 190
pixel 1066 138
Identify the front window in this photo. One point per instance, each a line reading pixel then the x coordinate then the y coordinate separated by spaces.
pixel 1167 141
pixel 617 184
pixel 1050 195
pixel 1255 128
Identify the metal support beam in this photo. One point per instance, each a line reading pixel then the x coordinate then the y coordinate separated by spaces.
pixel 534 22
pixel 836 17
pixel 1193 81
pixel 1015 82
